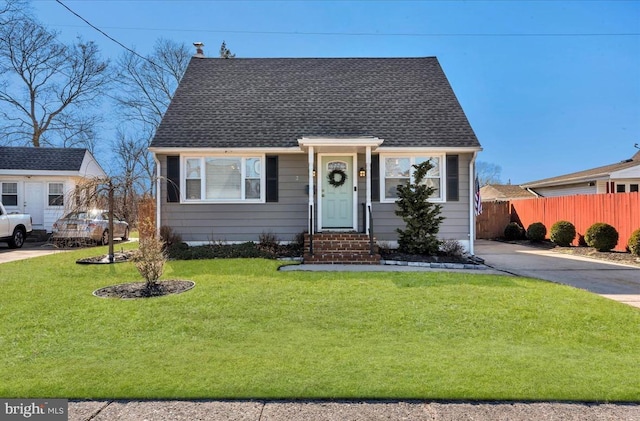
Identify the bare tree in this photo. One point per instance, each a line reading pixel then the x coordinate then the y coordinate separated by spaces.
pixel 47 87
pixel 488 173
pixel 10 9
pixel 130 153
pixel 147 85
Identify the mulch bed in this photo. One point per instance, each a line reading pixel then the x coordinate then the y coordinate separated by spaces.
pixel 392 254
pixel 610 256
pixel 104 259
pixel 139 290
pixel 584 251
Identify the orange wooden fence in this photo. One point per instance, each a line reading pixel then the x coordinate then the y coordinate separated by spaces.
pixel 621 210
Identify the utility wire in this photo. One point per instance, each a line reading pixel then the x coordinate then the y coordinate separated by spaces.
pixel 382 34
pixel 112 39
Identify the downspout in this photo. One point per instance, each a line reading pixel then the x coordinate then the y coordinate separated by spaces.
pixel 472 213
pixel 533 192
pixel 158 194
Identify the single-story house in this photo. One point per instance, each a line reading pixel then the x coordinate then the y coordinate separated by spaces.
pixel 621 177
pixel 41 181
pixel 503 192
pixel 316 145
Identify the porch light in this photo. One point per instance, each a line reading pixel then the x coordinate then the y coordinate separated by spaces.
pixel 362 172
pixel 314 173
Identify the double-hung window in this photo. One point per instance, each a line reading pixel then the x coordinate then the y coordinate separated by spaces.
pixel 224 179
pixel 10 194
pixel 398 170
pixel 56 194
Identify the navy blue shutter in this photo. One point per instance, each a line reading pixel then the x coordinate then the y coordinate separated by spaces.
pixel 173 179
pixel 453 179
pixel 272 179
pixel 375 177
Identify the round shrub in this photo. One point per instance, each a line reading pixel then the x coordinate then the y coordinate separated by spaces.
pixel 601 236
pixel 634 242
pixel 536 231
pixel 562 233
pixel 513 231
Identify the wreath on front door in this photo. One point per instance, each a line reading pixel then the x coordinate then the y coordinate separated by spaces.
pixel 337 177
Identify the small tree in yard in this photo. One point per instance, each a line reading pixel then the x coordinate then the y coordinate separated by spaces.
pixel 422 218
pixel 150 256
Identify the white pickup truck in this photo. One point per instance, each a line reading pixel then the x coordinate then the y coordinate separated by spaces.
pixel 14 227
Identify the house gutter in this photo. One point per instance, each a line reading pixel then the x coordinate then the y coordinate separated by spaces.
pixel 533 192
pixel 158 214
pixel 472 213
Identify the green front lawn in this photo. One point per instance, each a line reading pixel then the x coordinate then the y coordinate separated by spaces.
pixel 249 331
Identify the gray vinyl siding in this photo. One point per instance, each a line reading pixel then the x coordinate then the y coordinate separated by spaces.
pixel 289 216
pixel 568 190
pixel 456 224
pixel 244 222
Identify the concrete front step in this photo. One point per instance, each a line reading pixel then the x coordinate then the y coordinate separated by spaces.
pixel 342 258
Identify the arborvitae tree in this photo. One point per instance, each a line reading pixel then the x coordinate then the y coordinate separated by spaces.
pixel 225 52
pixel 422 217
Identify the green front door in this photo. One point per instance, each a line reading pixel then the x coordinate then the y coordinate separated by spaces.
pixel 337 192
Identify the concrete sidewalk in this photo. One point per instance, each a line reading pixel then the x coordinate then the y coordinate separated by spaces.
pixel 339 411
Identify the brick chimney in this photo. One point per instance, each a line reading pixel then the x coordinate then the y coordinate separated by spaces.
pixel 199 52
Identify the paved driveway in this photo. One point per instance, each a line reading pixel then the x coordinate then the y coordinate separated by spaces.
pixel 30 249
pixel 618 282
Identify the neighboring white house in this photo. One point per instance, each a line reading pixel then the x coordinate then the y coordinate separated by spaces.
pixel 41 181
pixel 621 177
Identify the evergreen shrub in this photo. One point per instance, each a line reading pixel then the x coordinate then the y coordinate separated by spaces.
pixel 536 231
pixel 563 233
pixel 513 231
pixel 601 236
pixel 634 243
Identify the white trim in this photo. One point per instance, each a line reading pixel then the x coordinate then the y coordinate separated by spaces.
pixel 354 192
pixel 239 151
pixel 425 149
pixel 42 173
pixel 203 199
pixel 472 211
pixel 340 141
pixel 158 193
pixel 443 172
pixel 367 199
pixel 311 163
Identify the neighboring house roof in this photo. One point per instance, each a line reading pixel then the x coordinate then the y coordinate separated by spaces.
pixel 504 192
pixel 67 160
pixel 594 174
pixel 273 102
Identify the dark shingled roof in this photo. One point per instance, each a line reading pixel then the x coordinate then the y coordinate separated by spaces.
pixel 273 102
pixel 41 159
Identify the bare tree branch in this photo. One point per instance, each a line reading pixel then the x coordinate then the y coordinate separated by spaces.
pixel 44 82
pixel 488 173
pixel 144 95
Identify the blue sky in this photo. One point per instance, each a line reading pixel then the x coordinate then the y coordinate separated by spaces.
pixel 550 87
